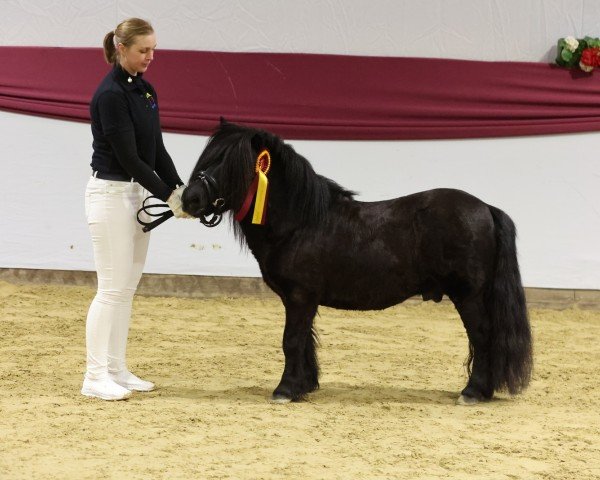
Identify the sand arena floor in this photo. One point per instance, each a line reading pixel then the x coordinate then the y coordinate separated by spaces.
pixel 385 409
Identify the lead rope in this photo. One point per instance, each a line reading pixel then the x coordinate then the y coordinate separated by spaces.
pixel 161 216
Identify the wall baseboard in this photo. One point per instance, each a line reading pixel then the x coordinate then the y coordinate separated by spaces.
pixel 197 286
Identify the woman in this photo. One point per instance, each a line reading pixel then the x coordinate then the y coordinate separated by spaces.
pixel 129 160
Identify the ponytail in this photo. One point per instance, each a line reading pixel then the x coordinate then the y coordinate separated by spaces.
pixel 110 51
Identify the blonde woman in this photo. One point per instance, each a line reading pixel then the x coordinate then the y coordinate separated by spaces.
pixel 129 160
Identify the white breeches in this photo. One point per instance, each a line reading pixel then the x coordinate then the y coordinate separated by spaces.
pixel 120 248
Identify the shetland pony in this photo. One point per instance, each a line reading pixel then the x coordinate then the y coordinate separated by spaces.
pixel 320 246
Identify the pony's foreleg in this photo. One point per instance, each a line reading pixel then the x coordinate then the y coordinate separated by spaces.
pixel 300 375
pixel 478 327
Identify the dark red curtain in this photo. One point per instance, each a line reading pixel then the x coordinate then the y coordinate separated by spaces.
pixel 305 96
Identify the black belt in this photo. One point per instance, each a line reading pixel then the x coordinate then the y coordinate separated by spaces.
pixel 120 177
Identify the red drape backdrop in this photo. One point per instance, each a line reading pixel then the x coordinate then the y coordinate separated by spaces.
pixel 307 96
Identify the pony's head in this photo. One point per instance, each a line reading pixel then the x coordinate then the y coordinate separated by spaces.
pixel 227 166
pixel 222 173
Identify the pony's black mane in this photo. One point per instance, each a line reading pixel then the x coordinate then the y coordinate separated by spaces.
pixel 232 150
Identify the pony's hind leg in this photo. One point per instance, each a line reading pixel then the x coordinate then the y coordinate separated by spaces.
pixel 477 324
pixel 300 375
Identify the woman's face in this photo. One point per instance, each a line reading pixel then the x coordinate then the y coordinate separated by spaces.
pixel 136 58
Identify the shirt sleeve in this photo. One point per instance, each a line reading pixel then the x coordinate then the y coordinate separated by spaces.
pixel 119 132
pixel 164 164
pixel 165 168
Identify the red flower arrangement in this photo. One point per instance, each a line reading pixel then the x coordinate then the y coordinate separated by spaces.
pixel 583 53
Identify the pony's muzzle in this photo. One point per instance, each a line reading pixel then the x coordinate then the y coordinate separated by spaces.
pixel 192 201
pixel 201 199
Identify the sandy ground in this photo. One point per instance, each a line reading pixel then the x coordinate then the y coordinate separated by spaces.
pixel 385 409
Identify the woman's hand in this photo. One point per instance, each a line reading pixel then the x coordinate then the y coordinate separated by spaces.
pixel 174 203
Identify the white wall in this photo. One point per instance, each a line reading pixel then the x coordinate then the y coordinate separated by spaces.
pixel 470 29
pixel 548 184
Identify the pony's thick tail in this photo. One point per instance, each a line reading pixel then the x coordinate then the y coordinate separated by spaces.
pixel 511 358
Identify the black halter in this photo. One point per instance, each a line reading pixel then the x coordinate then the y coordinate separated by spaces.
pixel 210 216
pixel 215 205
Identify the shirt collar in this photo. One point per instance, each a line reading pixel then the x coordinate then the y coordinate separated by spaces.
pixel 129 82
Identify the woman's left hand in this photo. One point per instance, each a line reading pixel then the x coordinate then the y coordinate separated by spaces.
pixel 174 202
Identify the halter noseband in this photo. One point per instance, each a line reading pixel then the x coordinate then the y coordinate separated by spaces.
pixel 215 205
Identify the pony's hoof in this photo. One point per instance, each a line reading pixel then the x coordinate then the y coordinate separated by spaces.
pixel 466 401
pixel 280 399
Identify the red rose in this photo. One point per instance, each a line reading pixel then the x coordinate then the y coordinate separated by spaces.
pixel 590 57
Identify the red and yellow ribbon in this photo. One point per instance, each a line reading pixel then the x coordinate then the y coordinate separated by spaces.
pixel 260 187
pixel 263 164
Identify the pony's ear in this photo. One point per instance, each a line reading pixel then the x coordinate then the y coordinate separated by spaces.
pixel 223 122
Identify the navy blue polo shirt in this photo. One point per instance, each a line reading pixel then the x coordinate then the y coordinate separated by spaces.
pixel 127 136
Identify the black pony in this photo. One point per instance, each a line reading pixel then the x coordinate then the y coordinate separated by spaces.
pixel 319 246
